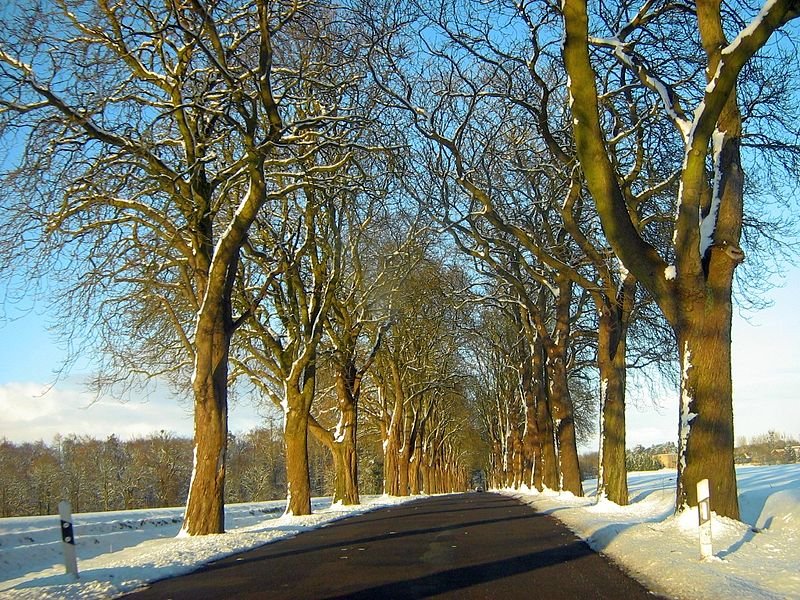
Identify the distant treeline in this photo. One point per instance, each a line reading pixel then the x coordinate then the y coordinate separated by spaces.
pixel 145 472
pixel 770 448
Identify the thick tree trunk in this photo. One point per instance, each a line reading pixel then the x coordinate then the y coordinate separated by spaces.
pixel 298 396
pixel 343 453
pixel 706 438
pixel 345 459
pixel 345 464
pixel 518 461
pixel 414 473
pixel 295 440
pixel 568 455
pixel 391 448
pixel 496 460
pixel 613 475
pixel 436 479
pixel 418 460
pixel 205 505
pixel 403 465
pixel 546 466
pixel 345 439
pixel 531 445
pixel 549 452
pixel 395 464
pixel 556 346
pixel 564 419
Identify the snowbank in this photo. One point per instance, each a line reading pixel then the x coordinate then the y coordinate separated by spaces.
pixel 757 558
pixel 119 552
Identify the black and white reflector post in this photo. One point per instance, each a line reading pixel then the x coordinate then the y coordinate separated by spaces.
pixel 68 538
pixel 704 511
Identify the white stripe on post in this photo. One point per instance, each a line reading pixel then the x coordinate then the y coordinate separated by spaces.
pixel 68 538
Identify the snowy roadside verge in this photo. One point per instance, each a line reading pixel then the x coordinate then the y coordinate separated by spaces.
pixel 754 559
pixel 146 547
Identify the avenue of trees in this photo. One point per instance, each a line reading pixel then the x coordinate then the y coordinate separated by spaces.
pixel 439 237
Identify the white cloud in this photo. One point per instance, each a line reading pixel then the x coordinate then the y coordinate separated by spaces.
pixel 31 411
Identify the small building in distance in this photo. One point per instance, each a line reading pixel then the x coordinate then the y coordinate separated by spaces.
pixel 668 460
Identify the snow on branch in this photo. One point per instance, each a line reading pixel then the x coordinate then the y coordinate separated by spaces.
pixel 708 223
pixel 665 93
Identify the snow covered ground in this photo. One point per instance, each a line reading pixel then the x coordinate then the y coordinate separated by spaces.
pixel 756 558
pixel 119 552
pixel 759 558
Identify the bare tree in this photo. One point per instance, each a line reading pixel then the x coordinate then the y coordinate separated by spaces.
pixel 153 134
pixel 506 399
pixel 484 109
pixel 281 346
pixel 695 292
pixel 359 317
pixel 316 234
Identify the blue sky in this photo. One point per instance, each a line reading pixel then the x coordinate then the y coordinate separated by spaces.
pixel 766 377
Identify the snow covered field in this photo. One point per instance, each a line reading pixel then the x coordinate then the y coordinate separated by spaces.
pixel 120 551
pixel 758 558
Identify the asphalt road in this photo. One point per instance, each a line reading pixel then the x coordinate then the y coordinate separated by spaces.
pixel 477 545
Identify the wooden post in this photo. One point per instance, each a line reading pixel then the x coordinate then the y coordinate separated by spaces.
pixel 68 538
pixel 704 513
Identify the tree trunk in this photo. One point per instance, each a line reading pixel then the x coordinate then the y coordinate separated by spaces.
pixel 391 448
pixel 395 464
pixel 531 444
pixel 346 474
pixel 343 453
pixel 298 396
pixel 345 439
pixel 613 475
pixel 568 456
pixel 414 474
pixel 706 438
pixel 418 458
pixel 295 440
pixel 205 505
pixel 560 400
pixel 518 461
pixel 546 465
pixel 345 488
pixel 403 465
pixel 496 462
pixel 549 454
pixel 441 472
pixel 563 417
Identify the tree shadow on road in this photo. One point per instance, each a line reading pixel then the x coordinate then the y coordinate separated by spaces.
pixel 452 580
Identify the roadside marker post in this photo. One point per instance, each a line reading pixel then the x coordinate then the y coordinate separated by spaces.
pixel 68 538
pixel 704 513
